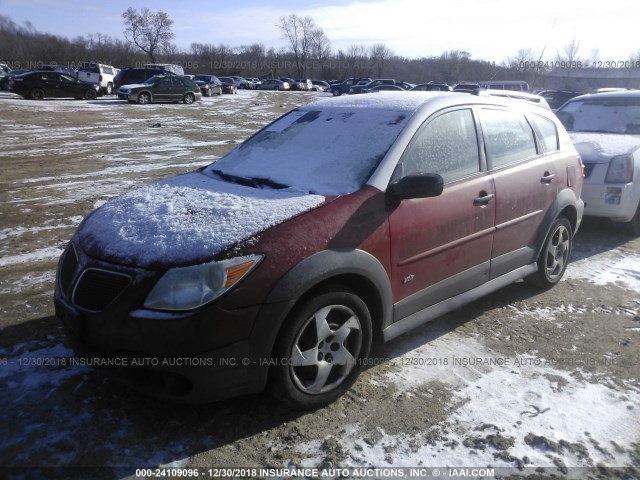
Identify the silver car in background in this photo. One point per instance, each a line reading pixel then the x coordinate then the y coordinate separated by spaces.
pixel 605 128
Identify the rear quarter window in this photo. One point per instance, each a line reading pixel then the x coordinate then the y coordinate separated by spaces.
pixel 508 137
pixel 547 133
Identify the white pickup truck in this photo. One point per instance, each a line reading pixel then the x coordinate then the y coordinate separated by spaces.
pixel 98 73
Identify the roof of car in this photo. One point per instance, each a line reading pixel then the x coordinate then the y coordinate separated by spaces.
pixel 410 101
pixel 623 94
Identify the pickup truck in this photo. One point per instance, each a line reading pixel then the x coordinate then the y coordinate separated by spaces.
pixel 98 73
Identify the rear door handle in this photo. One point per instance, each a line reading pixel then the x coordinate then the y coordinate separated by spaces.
pixel 484 200
pixel 547 178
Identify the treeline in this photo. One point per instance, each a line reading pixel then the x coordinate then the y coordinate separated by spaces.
pixel 22 46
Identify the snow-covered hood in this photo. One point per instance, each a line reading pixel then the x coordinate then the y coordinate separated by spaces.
pixel 185 219
pixel 602 147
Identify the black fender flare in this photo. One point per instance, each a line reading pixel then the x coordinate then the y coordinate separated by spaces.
pixel 566 199
pixel 327 264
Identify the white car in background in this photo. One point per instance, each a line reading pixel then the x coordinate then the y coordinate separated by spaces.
pixel 99 74
pixel 605 129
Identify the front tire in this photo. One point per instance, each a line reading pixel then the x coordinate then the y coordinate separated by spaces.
pixel 144 98
pixel 91 94
pixel 554 257
pixel 189 98
pixel 633 225
pixel 319 353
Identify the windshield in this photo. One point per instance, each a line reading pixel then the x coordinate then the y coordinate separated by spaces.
pixel 151 80
pixel 602 115
pixel 332 151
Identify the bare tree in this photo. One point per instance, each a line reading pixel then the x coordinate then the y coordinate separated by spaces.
pixel 379 54
pixel 321 49
pixel 529 63
pixel 569 52
pixel 147 30
pixel 357 59
pixel 302 34
pixel 454 65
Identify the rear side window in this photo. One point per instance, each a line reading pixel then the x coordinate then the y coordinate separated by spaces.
pixel 508 137
pixel 446 145
pixel 546 131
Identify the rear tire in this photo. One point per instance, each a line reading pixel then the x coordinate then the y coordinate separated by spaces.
pixel 91 94
pixel 319 353
pixel 109 89
pixel 189 98
pixel 37 94
pixel 554 257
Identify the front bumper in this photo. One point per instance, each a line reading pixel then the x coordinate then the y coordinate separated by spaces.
pixel 617 202
pixel 190 357
pixel 226 371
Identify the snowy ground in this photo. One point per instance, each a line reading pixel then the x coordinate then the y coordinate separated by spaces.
pixel 520 379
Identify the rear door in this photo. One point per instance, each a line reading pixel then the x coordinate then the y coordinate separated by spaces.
pixel 163 89
pixel 526 182
pixel 441 246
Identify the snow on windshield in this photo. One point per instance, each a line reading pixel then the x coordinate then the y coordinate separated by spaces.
pixel 323 150
pixel 608 116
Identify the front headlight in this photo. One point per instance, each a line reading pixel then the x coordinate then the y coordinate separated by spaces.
pixel 620 170
pixel 186 288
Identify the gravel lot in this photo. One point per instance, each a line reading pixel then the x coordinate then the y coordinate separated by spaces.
pixel 521 379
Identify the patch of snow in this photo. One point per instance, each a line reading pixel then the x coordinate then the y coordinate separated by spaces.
pixel 525 401
pixel 607 269
pixel 41 254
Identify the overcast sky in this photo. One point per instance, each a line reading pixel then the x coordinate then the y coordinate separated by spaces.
pixel 490 30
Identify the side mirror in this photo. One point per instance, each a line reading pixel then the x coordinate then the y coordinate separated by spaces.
pixel 415 186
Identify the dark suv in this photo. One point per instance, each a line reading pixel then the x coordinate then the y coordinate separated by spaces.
pixel 343 88
pixel 264 270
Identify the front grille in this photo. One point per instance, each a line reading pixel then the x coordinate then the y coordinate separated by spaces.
pixel 96 289
pixel 588 168
pixel 68 266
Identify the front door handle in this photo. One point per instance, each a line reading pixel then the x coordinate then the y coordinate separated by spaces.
pixel 484 199
pixel 547 178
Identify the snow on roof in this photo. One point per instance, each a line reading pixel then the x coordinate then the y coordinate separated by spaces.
pixel 185 219
pixel 407 102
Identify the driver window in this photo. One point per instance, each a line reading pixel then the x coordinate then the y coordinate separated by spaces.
pixel 446 145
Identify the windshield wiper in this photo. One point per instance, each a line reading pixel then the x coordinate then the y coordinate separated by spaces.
pixel 255 182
